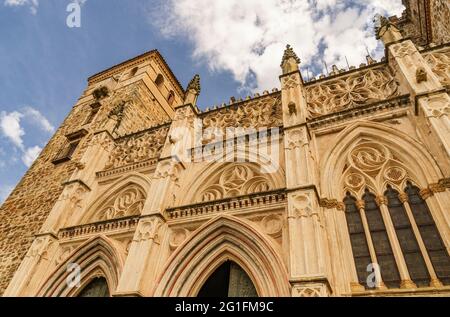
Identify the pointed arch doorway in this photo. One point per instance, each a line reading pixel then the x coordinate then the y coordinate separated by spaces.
pixel 229 280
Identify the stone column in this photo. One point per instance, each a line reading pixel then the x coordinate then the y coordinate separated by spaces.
pixel 431 98
pixel 307 245
pixel 148 250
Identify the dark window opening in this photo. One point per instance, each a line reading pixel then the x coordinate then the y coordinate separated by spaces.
pixel 229 280
pixel 98 287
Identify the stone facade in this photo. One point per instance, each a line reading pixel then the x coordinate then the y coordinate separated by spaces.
pixel 318 183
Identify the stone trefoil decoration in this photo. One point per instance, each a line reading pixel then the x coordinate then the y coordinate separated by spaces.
pixel 348 92
pixel 236 180
pixel 128 202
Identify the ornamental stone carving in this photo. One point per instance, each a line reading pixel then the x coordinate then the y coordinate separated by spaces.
pixel 236 180
pixel 177 237
pixel 148 229
pixel 272 225
pixel 351 91
pixel 436 105
pixel 439 62
pixel 373 165
pixel 128 202
pixel 263 112
pixel 138 147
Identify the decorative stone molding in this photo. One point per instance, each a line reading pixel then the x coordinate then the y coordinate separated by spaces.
pixel 137 148
pixel 272 225
pixel 439 63
pixel 310 290
pixel 356 89
pixel 436 106
pixel 177 237
pixel 148 229
pixel 297 138
pixel 290 81
pixel 403 49
pixel 290 61
pixel 235 180
pixel 128 202
pixel 114 225
pixel 275 199
pixel 331 204
pixel 168 169
pixel 263 112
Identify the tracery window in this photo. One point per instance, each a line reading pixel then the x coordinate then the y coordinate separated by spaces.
pixel 390 223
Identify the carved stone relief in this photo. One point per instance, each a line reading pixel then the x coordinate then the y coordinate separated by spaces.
pixel 440 64
pixel 236 180
pixel 354 90
pixel 257 113
pixel 137 148
pixel 128 202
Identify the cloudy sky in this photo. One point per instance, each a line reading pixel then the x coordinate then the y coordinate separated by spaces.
pixel 235 45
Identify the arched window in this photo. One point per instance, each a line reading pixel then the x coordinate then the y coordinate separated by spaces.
pixel 159 81
pixel 432 240
pixel 357 238
pixel 229 280
pixel 408 242
pixel 422 249
pixel 171 98
pixel 98 287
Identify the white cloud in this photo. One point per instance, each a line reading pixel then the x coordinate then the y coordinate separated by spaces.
pixel 12 129
pixel 248 37
pixel 33 4
pixel 30 155
pixel 39 119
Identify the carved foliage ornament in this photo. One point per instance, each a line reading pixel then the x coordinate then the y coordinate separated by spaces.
pixel 236 180
pixel 262 112
pixel 354 90
pixel 137 148
pixel 128 202
pixel 440 64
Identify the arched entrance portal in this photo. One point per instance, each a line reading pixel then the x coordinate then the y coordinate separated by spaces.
pixel 229 280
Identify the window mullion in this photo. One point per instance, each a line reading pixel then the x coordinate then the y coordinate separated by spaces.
pixel 406 281
pixel 361 207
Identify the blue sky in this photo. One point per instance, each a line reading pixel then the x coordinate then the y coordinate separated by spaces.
pixel 235 45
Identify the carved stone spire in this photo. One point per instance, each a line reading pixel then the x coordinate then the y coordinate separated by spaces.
pixel 386 30
pixel 193 90
pixel 290 60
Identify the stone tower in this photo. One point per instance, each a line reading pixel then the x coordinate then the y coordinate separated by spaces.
pixel 337 186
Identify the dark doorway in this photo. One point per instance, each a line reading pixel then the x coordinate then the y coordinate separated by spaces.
pixel 229 280
pixel 98 287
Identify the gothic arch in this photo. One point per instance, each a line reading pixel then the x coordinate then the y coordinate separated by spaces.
pixel 211 178
pixel 138 182
pixel 220 239
pixel 420 165
pixel 98 257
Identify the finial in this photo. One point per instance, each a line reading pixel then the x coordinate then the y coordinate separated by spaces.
pixel 194 84
pixel 193 91
pixel 290 60
pixel 386 30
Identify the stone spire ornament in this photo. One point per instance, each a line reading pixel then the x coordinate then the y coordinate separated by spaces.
pixel 290 60
pixel 193 91
pixel 386 30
